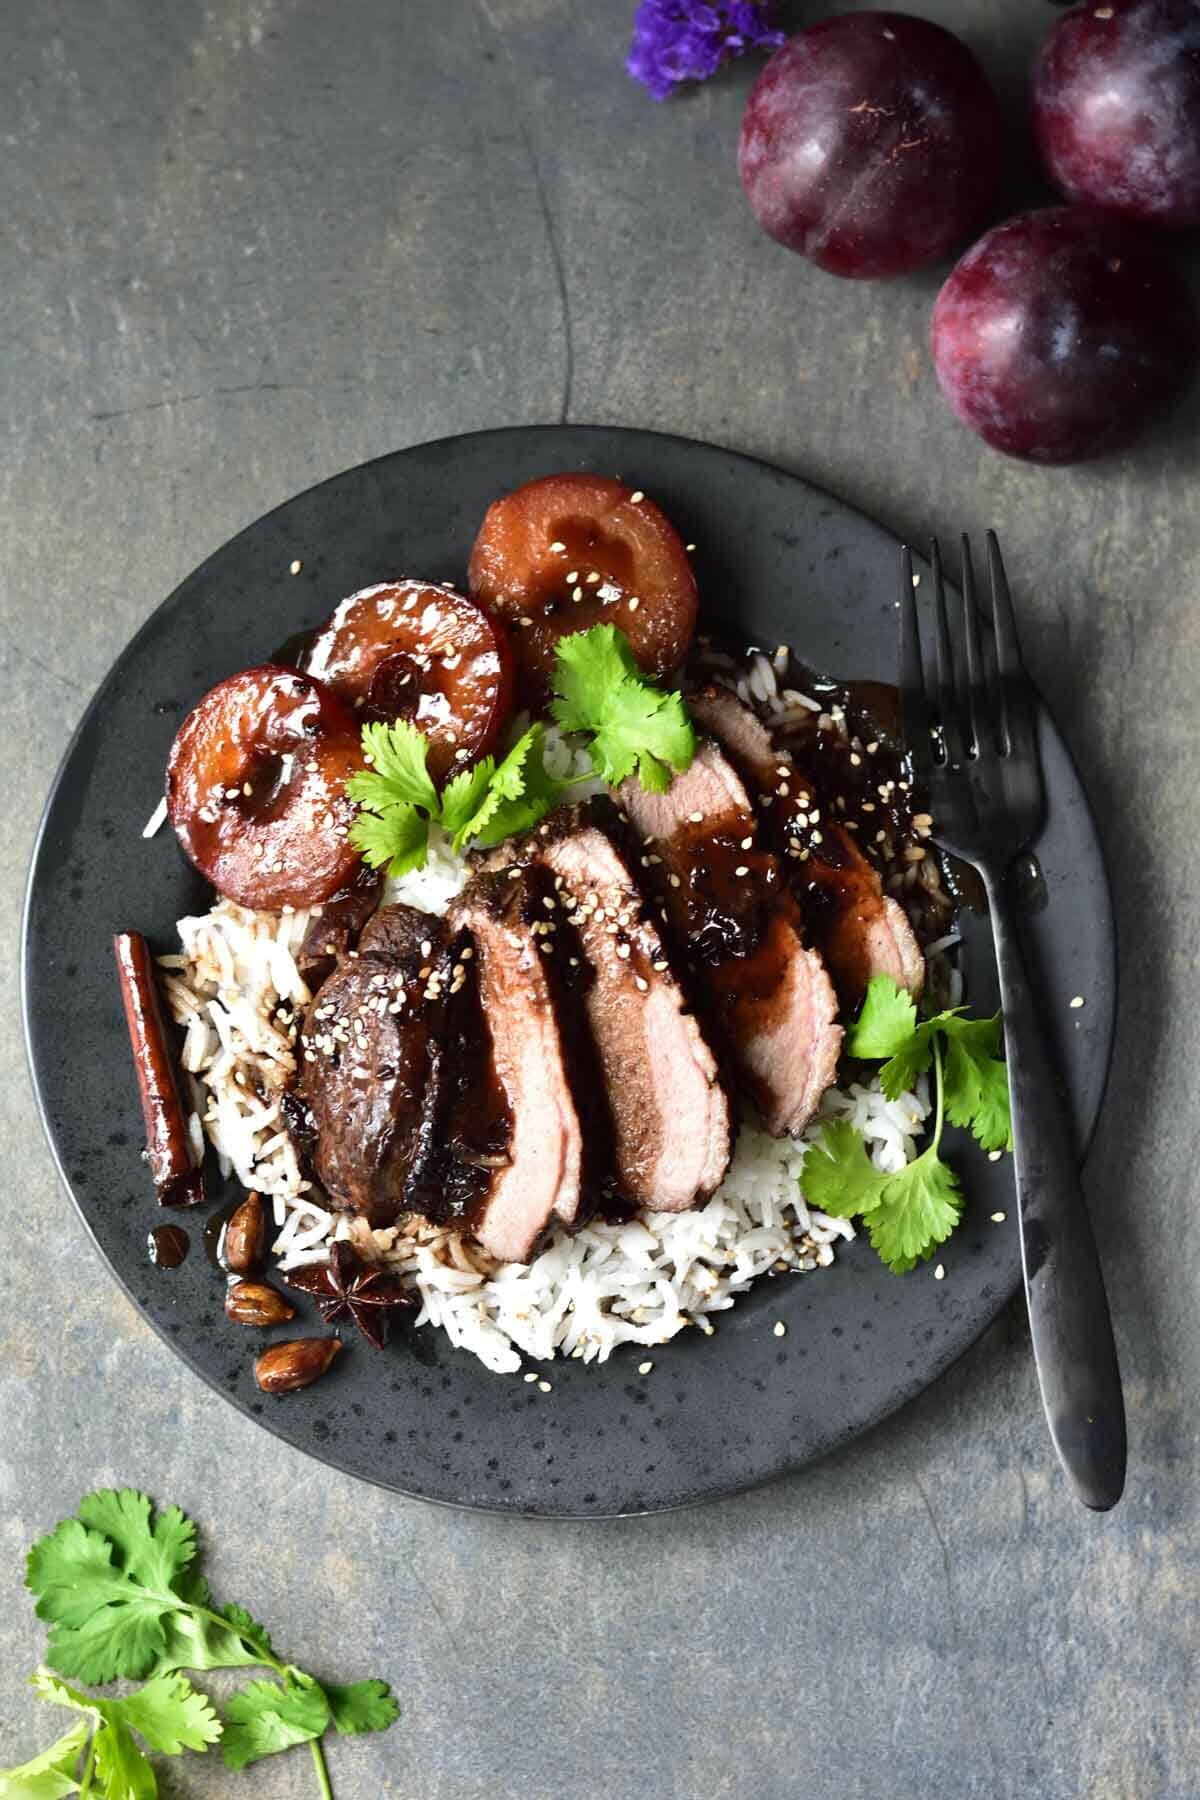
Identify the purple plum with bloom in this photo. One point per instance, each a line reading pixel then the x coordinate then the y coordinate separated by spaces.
pixel 687 40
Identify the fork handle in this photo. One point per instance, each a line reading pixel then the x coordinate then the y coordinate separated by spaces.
pixel 1073 1345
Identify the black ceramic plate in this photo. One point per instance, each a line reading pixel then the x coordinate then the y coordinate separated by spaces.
pixel 782 562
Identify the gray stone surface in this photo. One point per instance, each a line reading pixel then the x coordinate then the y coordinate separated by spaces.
pixel 251 242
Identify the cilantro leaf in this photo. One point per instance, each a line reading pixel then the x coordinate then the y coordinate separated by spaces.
pixel 634 725
pixel 397 837
pixel 51 1775
pixel 105 1624
pixel 398 775
pixel 121 1769
pixel 521 793
pixel 169 1713
pixel 917 1211
pixel 363 1706
pixel 977 1081
pixel 154 1552
pixel 899 1074
pixel 264 1717
pixel 837 1176
pixel 886 1023
pixel 463 795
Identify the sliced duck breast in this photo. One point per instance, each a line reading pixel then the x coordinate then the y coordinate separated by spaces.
pixel 670 1112
pixel 741 932
pixel 507 916
pixel 859 930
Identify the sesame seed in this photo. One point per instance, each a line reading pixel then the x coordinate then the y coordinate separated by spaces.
pixel 783 769
pixel 556 545
pixel 689 546
pixel 467 953
pixel 872 748
pixel 645 1368
pixel 747 843
pixel 695 818
pixel 577 593
pixel 1078 1001
pixel 855 758
pixel 742 869
pixel 780 1328
pixel 939 1274
pixel 544 1387
pixel 659 966
pixel 634 603
pixel 674 880
pixel 999 1218
pixel 995 1155
pixel 572 576
pixel 636 498
pixel 641 983
pixel 247 789
pixel 623 951
pixel 295 566
pixel 817 838
pixel 593 578
pixel 532 1374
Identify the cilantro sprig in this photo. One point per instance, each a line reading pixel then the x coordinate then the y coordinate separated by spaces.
pixel 910 1212
pixel 120 1590
pixel 629 726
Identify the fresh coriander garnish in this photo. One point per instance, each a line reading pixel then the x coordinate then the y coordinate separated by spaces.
pixel 908 1214
pixel 632 726
pixel 124 1601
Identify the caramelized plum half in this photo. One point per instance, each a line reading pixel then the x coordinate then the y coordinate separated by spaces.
pixel 256 788
pixel 567 552
pixel 407 650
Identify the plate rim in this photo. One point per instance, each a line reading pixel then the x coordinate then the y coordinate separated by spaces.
pixel 899 1396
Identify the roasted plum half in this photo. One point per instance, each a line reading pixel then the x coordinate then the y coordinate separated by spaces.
pixel 567 552
pixel 256 788
pixel 408 650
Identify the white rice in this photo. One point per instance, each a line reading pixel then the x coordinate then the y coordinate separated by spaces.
pixel 236 990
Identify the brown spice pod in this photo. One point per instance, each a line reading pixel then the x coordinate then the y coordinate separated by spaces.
pixel 296 1364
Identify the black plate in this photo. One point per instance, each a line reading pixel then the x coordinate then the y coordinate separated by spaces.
pixel 780 560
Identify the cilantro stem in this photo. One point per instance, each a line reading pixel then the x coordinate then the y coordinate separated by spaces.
pixel 318 1756
pixel 85 1784
pixel 941 1094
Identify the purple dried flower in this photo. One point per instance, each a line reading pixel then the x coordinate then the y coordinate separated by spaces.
pixel 688 40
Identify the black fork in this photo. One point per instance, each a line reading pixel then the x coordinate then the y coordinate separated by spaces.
pixel 972 745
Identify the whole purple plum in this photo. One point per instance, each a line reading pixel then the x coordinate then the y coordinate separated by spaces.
pixel 871 144
pixel 1061 332
pixel 1116 108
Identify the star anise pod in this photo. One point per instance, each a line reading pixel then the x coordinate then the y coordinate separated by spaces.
pixel 349 1287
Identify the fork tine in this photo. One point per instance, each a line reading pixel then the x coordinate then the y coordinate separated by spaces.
pixel 947 699
pixel 914 707
pixel 1017 709
pixel 983 733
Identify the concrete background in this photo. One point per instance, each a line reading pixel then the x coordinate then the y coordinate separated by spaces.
pixel 247 244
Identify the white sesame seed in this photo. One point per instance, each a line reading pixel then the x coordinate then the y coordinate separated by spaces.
pixel 780 1328
pixel 531 1375
pixel 1078 1001
pixel 593 578
pixel 645 1368
pixel 689 546
pixel 572 575
pixel 939 1274
pixel 742 869
pixel 641 983
pixel 695 818
pixel 636 497
pixel 544 1387
pixel 634 603
pixel 623 951
pixel 556 545
pixel 674 880
pixel 577 593
pixel 999 1218
pixel 995 1155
